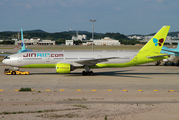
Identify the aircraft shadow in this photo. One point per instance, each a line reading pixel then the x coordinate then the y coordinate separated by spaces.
pixel 122 73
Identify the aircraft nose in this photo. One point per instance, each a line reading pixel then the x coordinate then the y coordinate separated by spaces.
pixel 5 62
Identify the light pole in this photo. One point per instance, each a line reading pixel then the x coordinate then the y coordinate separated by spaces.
pixel 92 33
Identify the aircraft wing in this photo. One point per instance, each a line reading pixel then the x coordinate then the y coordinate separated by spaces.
pixel 93 62
pixel 170 51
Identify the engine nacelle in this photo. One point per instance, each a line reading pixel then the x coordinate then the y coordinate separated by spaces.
pixel 64 68
pixel 172 58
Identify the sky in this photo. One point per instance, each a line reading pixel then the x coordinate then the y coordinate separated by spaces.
pixel 122 16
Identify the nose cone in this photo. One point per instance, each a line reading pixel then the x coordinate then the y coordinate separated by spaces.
pixel 6 62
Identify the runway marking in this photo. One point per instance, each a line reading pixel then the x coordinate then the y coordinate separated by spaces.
pixel 140 90
pixel 125 90
pixel 47 89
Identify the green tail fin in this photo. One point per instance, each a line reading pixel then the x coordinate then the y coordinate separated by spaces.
pixel 155 44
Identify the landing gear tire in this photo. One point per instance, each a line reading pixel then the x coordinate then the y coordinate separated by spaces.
pixel 89 73
pixel 13 73
pixel 83 73
pixel 165 64
pixel 173 64
pixel 157 63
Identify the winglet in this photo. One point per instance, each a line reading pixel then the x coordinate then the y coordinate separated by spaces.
pixel 155 44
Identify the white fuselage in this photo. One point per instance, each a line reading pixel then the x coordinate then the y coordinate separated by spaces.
pixel 27 58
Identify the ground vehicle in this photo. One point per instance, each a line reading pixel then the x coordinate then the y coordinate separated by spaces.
pixel 15 72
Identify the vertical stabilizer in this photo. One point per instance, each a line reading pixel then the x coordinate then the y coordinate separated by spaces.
pixel 156 42
pixel 22 41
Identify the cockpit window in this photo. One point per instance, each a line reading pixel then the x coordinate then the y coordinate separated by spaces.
pixel 6 57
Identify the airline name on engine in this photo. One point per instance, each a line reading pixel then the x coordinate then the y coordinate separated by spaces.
pixel 42 55
pixel 64 67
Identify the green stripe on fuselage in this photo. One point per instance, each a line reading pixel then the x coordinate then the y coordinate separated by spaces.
pixel 39 66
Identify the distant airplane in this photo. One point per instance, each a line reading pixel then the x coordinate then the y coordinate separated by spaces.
pixel 65 62
pixel 20 51
pixel 174 55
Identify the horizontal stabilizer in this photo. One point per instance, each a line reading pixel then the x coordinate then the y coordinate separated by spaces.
pixel 157 56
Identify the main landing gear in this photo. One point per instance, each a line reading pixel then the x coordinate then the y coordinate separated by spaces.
pixel 87 71
pixel 158 63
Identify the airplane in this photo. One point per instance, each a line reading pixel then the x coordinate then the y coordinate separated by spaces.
pixel 20 51
pixel 65 62
pixel 174 55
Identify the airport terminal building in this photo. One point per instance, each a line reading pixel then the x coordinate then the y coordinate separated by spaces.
pixel 35 41
pixel 104 41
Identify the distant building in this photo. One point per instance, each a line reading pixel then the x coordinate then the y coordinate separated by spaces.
pixel 69 42
pixel 135 37
pixel 35 41
pixel 105 41
pixel 79 37
pixel 46 42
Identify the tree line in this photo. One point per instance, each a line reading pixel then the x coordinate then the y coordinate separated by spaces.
pixel 60 37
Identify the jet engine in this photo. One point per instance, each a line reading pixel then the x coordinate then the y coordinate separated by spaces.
pixel 64 68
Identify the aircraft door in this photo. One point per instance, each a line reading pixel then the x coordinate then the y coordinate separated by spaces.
pixel 47 59
pixel 19 59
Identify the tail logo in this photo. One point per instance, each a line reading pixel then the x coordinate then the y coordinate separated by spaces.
pixel 21 44
pixel 158 42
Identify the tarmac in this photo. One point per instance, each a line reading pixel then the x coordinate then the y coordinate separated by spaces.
pixel 133 93
pixel 137 78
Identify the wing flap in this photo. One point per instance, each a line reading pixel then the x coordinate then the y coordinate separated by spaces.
pixel 93 62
